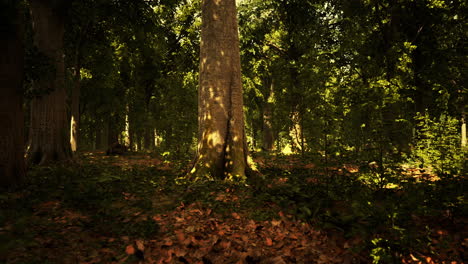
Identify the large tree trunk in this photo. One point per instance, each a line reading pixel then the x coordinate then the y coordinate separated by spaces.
pixel 49 134
pixel 12 168
pixel 222 149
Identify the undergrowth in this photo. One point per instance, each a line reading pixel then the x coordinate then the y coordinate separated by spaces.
pixel 390 222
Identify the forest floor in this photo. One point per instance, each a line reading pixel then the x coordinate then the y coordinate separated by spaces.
pixel 137 209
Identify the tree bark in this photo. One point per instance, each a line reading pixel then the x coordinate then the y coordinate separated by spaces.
pixel 222 149
pixel 113 134
pixel 49 133
pixel 267 130
pixel 75 110
pixel 149 138
pixel 463 130
pixel 102 136
pixel 12 167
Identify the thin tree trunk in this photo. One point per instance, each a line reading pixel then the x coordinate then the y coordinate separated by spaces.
pixel 147 137
pixel 49 133
pixel 12 167
pixel 463 130
pixel 102 136
pixel 97 139
pixel 113 135
pixel 296 133
pixel 222 149
pixel 297 104
pixel 75 109
pixel 267 129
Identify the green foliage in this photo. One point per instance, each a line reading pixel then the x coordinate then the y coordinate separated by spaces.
pixel 387 219
pixel 101 190
pixel 437 145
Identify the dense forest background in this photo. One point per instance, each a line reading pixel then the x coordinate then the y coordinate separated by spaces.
pixel 355 119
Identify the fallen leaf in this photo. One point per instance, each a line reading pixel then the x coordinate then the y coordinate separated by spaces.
pixel 275 222
pixel 168 242
pixel 130 250
pixel 180 236
pixel 236 216
pixel 157 218
pixel 276 260
pixel 169 256
pixel 269 242
pixel 179 252
pixel 244 238
pixel 140 245
pixel 190 229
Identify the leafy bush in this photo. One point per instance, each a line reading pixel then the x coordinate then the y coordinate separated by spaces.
pixel 438 145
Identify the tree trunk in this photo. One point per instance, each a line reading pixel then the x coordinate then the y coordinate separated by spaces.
pixel 297 104
pixel 222 149
pixel 149 138
pixel 49 133
pixel 102 136
pixel 463 130
pixel 267 130
pixel 12 167
pixel 113 135
pixel 75 110
pixel 296 132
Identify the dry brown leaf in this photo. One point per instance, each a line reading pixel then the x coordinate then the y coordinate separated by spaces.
pixel 190 229
pixel 225 244
pixel 130 250
pixel 196 211
pixel 293 236
pixel 168 242
pixel 169 256
pixel 275 222
pixel 269 242
pixel 179 252
pixel 187 241
pixel 180 236
pixel 235 215
pixel 157 218
pixel 244 238
pixel 140 245
pixel 279 244
pixel 275 260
